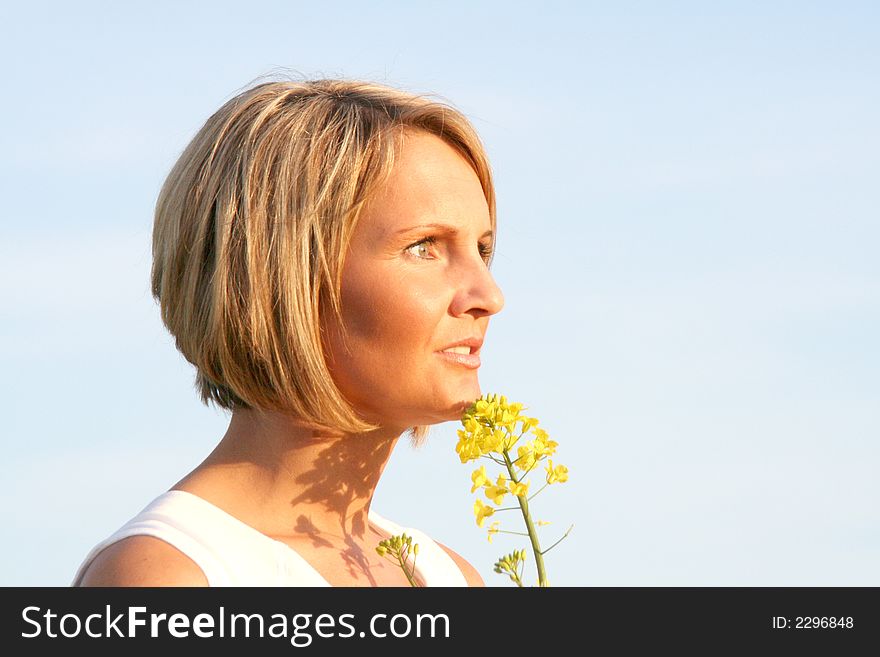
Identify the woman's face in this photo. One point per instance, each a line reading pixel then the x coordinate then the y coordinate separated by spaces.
pixel 405 299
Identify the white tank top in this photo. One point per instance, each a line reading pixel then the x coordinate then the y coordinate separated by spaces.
pixel 232 553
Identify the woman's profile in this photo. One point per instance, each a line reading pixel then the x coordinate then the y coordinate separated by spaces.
pixel 321 256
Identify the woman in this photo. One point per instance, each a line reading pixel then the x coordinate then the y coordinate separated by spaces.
pixel 321 255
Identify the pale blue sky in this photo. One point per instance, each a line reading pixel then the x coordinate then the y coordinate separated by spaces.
pixel 688 237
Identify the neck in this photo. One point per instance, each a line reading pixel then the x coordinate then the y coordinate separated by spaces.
pixel 290 481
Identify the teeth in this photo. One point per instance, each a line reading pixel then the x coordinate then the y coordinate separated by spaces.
pixel 459 350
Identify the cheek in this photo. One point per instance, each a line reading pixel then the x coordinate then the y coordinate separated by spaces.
pixel 386 313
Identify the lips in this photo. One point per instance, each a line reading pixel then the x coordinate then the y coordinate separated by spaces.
pixel 464 353
pixel 473 345
pixel 471 361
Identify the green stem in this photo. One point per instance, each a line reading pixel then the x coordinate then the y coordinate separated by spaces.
pixel 532 496
pixel 532 467
pixel 513 444
pixel 530 526
pixel 401 561
pixel 559 541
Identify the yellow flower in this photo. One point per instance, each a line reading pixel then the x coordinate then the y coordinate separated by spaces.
pixel 528 423
pixel 495 410
pixel 497 492
pixel 508 443
pixel 525 455
pixel 508 419
pixel 489 425
pixel 543 445
pixel 557 474
pixel 482 511
pixel 520 489
pixel 467 448
pixel 561 474
pixel 472 426
pixel 493 530
pixel 480 478
pixel 492 441
pixel 482 406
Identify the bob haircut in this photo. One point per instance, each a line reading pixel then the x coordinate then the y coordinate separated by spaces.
pixel 252 226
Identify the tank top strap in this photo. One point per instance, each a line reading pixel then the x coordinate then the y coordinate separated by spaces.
pixel 157 521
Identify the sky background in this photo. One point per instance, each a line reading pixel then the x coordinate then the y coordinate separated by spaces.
pixel 688 247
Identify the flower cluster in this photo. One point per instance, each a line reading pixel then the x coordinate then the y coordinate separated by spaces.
pixel 397 550
pixel 512 564
pixel 493 428
pixel 490 430
pixel 499 431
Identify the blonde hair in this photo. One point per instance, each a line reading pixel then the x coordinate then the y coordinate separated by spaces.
pixel 252 226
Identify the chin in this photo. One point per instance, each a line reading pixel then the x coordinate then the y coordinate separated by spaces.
pixel 461 406
pixel 448 408
pixel 451 413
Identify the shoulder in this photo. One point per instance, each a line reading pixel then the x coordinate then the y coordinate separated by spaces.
pixel 470 573
pixel 142 561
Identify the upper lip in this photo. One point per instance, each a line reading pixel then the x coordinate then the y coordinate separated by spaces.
pixel 473 343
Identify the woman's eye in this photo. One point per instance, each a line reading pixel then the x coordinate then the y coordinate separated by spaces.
pixel 486 251
pixel 421 247
pixel 422 250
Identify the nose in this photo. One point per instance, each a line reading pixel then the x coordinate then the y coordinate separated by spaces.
pixel 478 292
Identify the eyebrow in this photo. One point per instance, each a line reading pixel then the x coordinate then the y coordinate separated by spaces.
pixel 443 228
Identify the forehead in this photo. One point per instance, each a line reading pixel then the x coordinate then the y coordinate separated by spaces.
pixel 430 182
